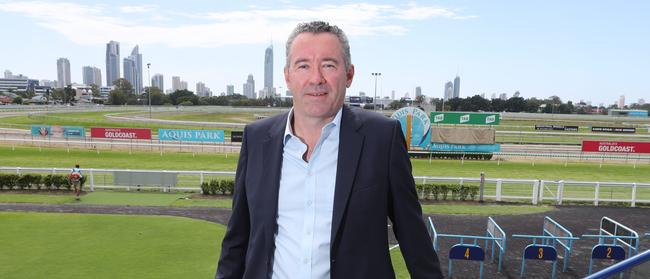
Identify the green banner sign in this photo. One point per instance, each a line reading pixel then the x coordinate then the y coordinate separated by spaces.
pixel 469 118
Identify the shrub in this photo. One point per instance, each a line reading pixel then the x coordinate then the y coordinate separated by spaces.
pixel 37 181
pixel 47 181
pixel 205 188
pixel 444 190
pixel 214 186
pixel 60 180
pixel 24 181
pixel 473 191
pixel 228 186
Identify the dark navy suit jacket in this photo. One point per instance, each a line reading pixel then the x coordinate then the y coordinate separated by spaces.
pixel 373 182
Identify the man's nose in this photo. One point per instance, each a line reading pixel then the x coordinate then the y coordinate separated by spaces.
pixel 316 76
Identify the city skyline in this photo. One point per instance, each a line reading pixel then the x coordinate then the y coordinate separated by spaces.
pixel 577 50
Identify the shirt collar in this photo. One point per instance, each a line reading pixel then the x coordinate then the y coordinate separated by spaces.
pixel 288 131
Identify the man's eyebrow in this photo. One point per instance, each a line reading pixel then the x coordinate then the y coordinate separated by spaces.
pixel 331 59
pixel 300 60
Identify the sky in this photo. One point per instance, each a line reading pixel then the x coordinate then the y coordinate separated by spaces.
pixel 578 50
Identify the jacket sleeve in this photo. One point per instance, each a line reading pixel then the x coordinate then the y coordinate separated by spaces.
pixel 406 214
pixel 235 242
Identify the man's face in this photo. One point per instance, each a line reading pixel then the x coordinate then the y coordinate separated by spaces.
pixel 316 75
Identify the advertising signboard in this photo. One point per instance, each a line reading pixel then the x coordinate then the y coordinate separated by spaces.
pixel 420 125
pixel 479 148
pixel 191 135
pixel 556 128
pixel 614 129
pixel 58 131
pixel 615 146
pixel 236 136
pixel 121 133
pixel 465 118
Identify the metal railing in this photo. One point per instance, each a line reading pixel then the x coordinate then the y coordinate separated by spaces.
pixel 623 266
pixel 535 191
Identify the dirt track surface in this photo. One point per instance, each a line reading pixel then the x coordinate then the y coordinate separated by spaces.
pixel 578 219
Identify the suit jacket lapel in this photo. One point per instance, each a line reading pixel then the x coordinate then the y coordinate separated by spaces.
pixel 272 148
pixel 350 147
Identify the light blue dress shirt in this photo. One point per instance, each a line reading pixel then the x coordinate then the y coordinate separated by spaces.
pixel 305 204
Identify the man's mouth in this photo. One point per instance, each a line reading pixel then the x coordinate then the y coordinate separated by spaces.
pixel 317 94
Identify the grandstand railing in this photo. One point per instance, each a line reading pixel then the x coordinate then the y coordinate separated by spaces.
pixel 535 191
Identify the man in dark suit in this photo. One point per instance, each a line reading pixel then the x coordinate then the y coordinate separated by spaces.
pixel 314 186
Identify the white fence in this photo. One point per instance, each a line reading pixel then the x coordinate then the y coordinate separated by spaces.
pixel 535 191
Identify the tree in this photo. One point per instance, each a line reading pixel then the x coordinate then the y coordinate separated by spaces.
pixel 95 89
pixel 183 95
pixel 123 86
pixel 116 97
pixel 18 100
pixel 157 98
pixel 395 105
pixel 516 104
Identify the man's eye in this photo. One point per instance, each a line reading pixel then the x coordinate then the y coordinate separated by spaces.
pixel 302 66
pixel 329 66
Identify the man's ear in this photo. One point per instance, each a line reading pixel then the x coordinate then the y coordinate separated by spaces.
pixel 349 76
pixel 286 74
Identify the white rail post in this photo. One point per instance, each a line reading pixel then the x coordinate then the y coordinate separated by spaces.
pixel 92 181
pixel 633 195
pixel 541 191
pixel 560 192
pixel 201 179
pixel 499 181
pixel 597 193
pixel 535 191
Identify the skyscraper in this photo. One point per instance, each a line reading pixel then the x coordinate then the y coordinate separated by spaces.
pixel 9 74
pixel 176 83
pixel 457 87
pixel 63 72
pixel 449 91
pixel 129 71
pixel 621 102
pixel 230 90
pixel 418 91
pixel 98 76
pixel 158 81
pixel 183 85
pixel 91 75
pixel 112 62
pixel 249 87
pixel 135 70
pixel 268 72
pixel 200 89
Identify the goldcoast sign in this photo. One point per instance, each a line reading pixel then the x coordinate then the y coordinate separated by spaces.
pixel 416 126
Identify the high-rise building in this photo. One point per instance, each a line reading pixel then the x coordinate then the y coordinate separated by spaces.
pixel 158 81
pixel 449 91
pixel 621 102
pixel 268 71
pixel 8 74
pixel 92 75
pixel 183 85
pixel 418 91
pixel 200 89
pixel 133 70
pixel 112 62
pixel 516 95
pixel 249 87
pixel 129 71
pixel 392 95
pixel 641 102
pixel 176 83
pixel 63 72
pixel 457 87
pixel 230 90
pixel 503 96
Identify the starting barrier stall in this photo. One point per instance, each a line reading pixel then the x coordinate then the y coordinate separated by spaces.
pixel 553 234
pixel 613 238
pixel 468 249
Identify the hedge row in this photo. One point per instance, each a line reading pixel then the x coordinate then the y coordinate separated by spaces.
pixel 36 181
pixel 441 191
pixel 226 186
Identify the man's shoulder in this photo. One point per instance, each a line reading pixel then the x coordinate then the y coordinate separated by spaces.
pixel 371 118
pixel 264 125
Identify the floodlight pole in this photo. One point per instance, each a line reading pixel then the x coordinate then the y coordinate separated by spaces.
pixel 149 94
pixel 374 105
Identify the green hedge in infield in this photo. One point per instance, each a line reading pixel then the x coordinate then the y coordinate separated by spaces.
pixel 46 245
pixel 120 198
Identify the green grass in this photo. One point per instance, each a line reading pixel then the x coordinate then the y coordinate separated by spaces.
pixel 120 198
pixel 33 157
pixel 482 209
pixel 47 245
pixel 85 119
pixel 210 117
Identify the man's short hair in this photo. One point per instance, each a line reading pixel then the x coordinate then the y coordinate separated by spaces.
pixel 320 27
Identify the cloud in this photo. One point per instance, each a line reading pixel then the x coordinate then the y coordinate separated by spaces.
pixel 101 23
pixel 137 9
